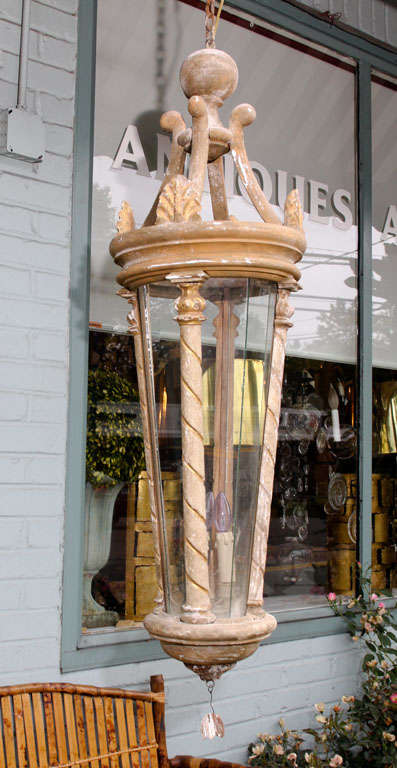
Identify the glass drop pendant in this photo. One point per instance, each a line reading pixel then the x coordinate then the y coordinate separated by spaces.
pixel 211 726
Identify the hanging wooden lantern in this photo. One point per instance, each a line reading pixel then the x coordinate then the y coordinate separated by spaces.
pixel 229 282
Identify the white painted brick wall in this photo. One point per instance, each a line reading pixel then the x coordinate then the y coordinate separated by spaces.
pixel 35 207
pixel 281 679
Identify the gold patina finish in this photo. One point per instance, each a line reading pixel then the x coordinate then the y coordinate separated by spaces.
pixel 176 246
pixel 190 307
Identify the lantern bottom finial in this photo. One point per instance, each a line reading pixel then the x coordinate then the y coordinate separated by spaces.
pixel 209 672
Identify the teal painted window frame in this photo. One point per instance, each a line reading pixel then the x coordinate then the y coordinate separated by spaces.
pixel 79 651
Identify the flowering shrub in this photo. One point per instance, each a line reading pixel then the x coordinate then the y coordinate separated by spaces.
pixel 359 730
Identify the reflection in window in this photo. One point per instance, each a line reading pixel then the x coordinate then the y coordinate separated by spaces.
pixel 117 516
pixel 303 137
pixel 384 347
pixel 312 543
pixel 384 483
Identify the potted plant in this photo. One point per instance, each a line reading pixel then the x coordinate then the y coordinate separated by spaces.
pixel 114 456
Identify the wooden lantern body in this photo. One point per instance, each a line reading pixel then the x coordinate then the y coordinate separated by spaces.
pixel 175 252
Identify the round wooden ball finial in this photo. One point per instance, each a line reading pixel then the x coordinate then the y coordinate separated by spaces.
pixel 209 73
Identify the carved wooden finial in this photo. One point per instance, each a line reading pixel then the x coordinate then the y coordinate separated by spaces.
pixel 210 73
pixel 125 221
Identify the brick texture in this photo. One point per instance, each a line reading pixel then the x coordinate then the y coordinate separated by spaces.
pixel 281 679
pixel 34 299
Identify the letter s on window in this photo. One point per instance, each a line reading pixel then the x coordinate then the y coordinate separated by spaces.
pixel 341 200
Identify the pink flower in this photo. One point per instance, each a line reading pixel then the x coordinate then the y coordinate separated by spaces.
pixel 374 596
pixel 331 596
pixel 393 698
pixel 292 757
pixel 381 605
pixel 336 760
pixel 278 750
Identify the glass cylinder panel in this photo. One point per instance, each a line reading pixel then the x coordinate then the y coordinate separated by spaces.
pixel 236 339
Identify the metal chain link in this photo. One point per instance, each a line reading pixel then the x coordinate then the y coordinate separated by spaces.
pixel 210 24
pixel 160 54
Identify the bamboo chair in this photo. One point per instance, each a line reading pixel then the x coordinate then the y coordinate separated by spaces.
pixel 60 725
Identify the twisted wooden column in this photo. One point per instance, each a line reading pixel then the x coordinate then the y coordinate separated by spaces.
pixel 134 322
pixel 190 306
pixel 282 322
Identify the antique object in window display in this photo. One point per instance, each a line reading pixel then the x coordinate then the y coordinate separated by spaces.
pixel 119 580
pixel 140 575
pixel 114 455
pixel 98 517
pixel 312 526
pixel 385 397
pixel 140 569
pixel 342 533
pixel 337 490
pixel 384 497
pixel 230 283
pixel 333 401
pixel 321 440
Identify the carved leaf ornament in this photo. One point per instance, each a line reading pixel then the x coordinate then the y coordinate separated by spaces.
pixel 125 221
pixel 293 215
pixel 179 201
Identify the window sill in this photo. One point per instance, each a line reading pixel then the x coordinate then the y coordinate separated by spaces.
pixel 315 608
pixel 112 647
pixel 111 636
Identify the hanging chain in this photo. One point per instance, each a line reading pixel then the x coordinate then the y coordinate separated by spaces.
pixel 160 55
pixel 210 24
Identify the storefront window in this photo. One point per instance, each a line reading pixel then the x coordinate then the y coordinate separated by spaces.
pixel 304 137
pixel 384 350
